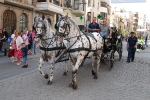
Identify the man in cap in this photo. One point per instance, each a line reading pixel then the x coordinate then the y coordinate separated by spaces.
pixel 105 29
pixel 131 47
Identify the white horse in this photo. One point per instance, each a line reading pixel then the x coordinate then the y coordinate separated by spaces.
pixel 80 45
pixel 49 46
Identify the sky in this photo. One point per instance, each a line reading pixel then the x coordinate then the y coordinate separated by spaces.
pixel 143 8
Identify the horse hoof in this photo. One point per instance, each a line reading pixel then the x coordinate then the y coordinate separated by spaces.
pixel 65 74
pixel 46 76
pixel 95 77
pixel 93 72
pixel 110 68
pixel 75 86
pixel 49 82
pixel 70 85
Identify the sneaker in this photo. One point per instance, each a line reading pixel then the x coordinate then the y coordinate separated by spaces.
pixel 132 61
pixel 25 66
pixel 128 61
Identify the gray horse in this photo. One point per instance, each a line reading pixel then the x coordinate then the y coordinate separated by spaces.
pixel 49 45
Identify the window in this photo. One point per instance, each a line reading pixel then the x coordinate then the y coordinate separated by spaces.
pixel 89 16
pixel 9 20
pixel 104 15
pixel 93 3
pixel 98 6
pixel 23 21
pixel 76 4
pixel 89 2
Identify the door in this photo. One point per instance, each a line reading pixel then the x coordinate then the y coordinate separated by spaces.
pixel 9 21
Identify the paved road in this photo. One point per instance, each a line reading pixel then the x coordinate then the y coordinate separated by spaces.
pixel 127 81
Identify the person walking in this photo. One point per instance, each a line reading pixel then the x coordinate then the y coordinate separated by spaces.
pixel 17 42
pixel 5 44
pixel 30 42
pixel 131 47
pixel 25 48
pixel 1 41
pixel 33 42
pixel 146 40
pixel 12 43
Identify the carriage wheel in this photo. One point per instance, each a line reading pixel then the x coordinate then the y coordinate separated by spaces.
pixel 111 62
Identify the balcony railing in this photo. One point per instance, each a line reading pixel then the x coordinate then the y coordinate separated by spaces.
pixel 56 2
pixel 21 3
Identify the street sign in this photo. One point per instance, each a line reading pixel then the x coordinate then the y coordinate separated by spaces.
pixel 81 17
pixel 99 16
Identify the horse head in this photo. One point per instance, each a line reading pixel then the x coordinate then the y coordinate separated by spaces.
pixel 40 26
pixel 63 26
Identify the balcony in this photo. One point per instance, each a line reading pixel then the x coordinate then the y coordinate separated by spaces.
pixel 49 6
pixel 27 4
pixel 78 9
pixel 104 10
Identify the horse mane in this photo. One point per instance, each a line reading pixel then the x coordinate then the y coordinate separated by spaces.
pixel 74 23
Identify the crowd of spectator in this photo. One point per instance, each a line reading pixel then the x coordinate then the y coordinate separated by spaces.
pixel 20 44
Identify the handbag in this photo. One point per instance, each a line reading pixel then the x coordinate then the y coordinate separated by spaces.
pixel 11 53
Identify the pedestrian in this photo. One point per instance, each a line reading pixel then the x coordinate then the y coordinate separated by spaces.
pixel 18 41
pixel 146 40
pixel 25 48
pixel 30 42
pixel 1 41
pixel 140 44
pixel 33 42
pixel 131 47
pixel 12 43
pixel 5 43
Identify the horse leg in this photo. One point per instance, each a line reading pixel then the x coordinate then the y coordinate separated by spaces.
pixel 74 84
pixel 66 69
pixel 41 62
pixel 99 53
pixel 50 82
pixel 93 60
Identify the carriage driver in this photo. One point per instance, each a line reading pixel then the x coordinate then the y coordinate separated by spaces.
pixel 105 29
pixel 93 27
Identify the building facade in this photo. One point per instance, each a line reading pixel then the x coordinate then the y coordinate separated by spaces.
pixel 20 14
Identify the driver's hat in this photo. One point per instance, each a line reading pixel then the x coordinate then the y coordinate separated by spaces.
pixel 132 32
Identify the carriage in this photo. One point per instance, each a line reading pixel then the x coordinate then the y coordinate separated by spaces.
pixel 77 46
pixel 112 45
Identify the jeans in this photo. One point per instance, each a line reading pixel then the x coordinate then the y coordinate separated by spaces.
pixel 104 34
pixel 25 53
pixel 131 53
pixel 34 47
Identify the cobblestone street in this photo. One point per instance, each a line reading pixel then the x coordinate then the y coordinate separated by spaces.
pixel 126 81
